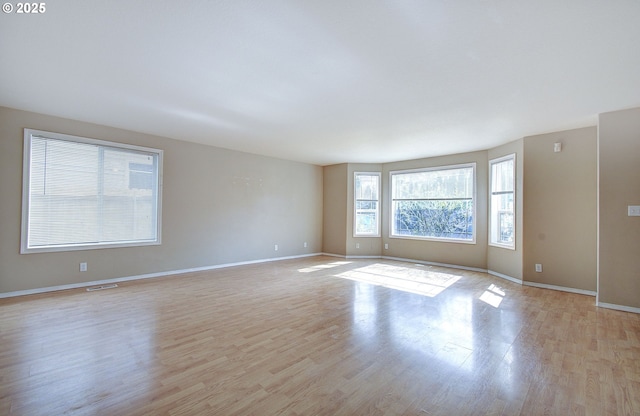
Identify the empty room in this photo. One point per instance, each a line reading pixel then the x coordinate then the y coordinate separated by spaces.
pixel 320 208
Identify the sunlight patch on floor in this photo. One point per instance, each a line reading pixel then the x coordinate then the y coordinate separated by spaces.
pixel 422 282
pixel 323 266
pixel 493 296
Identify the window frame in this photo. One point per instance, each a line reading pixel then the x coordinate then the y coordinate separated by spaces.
pixel 492 223
pixel 29 135
pixel 378 175
pixel 474 199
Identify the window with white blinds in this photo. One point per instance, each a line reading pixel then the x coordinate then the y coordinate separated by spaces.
pixel 81 193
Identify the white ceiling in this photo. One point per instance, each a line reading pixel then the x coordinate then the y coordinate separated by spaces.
pixel 326 81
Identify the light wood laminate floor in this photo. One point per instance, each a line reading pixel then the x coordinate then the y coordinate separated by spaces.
pixel 318 336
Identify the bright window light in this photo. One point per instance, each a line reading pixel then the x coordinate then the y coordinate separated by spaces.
pixel 434 203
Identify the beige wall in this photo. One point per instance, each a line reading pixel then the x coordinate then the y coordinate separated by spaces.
pixel 560 209
pixel 219 207
pixel 360 246
pixel 334 220
pixel 468 255
pixel 222 206
pixel 619 245
pixel 500 260
pixel 338 216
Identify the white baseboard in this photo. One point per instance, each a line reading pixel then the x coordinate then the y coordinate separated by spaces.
pixel 342 256
pixel 429 263
pixel 504 276
pixel 146 276
pixel 560 288
pixel 432 263
pixel 244 263
pixel 618 307
pixel 334 255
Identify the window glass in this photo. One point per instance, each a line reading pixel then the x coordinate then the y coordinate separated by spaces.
pixel 435 203
pixel 367 204
pixel 502 218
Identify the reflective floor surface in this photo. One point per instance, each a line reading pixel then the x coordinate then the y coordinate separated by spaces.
pixel 318 336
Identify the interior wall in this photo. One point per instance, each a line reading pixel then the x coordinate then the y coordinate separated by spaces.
pixel 619 234
pixel 219 207
pixel 460 254
pixel 560 209
pixel 334 217
pixel 501 260
pixel 361 246
pixel 222 206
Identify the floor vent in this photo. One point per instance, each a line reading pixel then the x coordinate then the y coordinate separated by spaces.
pixel 91 289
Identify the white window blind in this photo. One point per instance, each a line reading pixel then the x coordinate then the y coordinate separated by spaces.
pixel 82 193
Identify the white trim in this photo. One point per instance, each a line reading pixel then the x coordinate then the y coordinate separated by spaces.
pixel 244 263
pixel 496 245
pixel 435 239
pixel 429 263
pixel 560 288
pixel 598 212
pixel 432 168
pixel 618 307
pixel 504 276
pixel 333 255
pixel 432 263
pixel 147 276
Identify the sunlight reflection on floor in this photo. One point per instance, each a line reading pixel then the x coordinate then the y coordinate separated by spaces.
pixel 493 296
pixel 423 282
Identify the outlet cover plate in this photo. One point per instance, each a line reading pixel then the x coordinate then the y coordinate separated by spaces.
pixel 633 210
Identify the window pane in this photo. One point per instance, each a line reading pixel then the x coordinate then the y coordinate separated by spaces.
pixel 444 219
pixel 366 208
pixel 435 184
pixel 367 218
pixel 502 176
pixel 366 186
pixel 502 227
pixel 505 227
pixel 435 203
pixel 502 218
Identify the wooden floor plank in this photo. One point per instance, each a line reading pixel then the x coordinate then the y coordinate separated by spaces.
pixel 318 336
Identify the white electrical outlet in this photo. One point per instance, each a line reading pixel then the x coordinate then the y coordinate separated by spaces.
pixel 83 267
pixel 633 210
pixel 275 247
pixel 386 246
pixel 305 244
pixel 538 268
pixel 357 245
